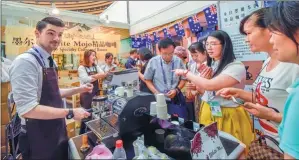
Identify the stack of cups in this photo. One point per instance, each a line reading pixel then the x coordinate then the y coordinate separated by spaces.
pixel 161 107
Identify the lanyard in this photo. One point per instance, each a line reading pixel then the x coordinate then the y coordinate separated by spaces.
pixel 41 58
pixel 163 72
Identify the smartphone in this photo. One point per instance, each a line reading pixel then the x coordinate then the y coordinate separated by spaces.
pixel 239 102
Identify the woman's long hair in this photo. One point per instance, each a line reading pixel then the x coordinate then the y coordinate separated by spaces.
pixel 87 54
pixel 227 53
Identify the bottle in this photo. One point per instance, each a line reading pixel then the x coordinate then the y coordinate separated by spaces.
pixel 119 152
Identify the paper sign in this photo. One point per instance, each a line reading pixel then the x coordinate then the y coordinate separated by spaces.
pixel 206 144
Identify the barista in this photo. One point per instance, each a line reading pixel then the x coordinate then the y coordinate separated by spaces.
pixel 89 72
pixel 33 77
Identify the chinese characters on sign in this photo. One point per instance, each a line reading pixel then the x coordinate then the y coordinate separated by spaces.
pixel 18 41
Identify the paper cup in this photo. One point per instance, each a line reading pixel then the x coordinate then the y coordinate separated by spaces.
pixel 153 110
pixel 160 99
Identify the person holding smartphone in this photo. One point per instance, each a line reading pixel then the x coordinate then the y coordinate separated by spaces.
pixel 269 88
pixel 284 26
pixel 89 73
pixel 222 70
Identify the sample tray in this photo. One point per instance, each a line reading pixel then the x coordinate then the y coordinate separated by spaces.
pixel 101 128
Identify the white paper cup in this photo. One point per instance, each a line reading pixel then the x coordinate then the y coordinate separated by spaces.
pixel 160 99
pixel 120 91
pixel 153 110
pixel 161 111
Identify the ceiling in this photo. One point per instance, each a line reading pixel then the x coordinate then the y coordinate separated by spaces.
pixel 90 7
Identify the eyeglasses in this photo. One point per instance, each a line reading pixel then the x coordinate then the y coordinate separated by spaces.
pixel 207 45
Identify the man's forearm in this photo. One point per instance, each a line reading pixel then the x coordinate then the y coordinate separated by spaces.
pixel 182 84
pixel 151 86
pixel 46 112
pixel 67 92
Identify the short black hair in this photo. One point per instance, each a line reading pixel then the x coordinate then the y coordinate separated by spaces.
pixel 145 53
pixel 49 20
pixel 260 14
pixel 197 46
pixel 108 55
pixel 166 42
pixel 283 17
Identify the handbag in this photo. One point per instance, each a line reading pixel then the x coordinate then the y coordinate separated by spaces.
pixel 178 106
pixel 259 149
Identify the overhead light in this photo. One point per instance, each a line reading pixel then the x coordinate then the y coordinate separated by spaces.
pixel 107 19
pixel 54 9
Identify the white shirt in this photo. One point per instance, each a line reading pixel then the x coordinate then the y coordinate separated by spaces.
pixel 26 78
pixel 83 75
pixel 272 91
pixel 235 70
pixel 106 68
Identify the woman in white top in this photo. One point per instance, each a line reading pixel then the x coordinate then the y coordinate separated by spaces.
pixel 89 72
pixel 269 88
pixel 224 71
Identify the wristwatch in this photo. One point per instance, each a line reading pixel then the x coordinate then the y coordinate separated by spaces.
pixel 70 115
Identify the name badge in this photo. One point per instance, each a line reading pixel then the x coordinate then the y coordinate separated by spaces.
pixel 215 108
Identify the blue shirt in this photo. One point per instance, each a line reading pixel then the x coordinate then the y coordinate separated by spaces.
pixel 154 72
pixel 130 63
pixel 289 127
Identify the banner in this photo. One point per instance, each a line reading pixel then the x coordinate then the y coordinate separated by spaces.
pixel 74 41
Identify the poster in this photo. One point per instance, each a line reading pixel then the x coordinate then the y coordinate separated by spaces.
pixel 231 13
pixel 74 41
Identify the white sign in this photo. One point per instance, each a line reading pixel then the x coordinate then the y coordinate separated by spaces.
pixel 231 13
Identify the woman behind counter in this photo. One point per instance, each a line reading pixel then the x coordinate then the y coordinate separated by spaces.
pixel 89 72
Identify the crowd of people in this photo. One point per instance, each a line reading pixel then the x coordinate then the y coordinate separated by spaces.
pixel 210 85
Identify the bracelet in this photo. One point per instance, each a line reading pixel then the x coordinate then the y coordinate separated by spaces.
pixel 185 73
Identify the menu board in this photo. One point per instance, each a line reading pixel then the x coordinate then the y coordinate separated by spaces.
pixel 231 13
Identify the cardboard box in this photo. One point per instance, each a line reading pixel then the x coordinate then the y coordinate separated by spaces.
pixel 70 127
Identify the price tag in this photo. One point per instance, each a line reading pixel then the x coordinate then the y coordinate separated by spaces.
pixel 215 108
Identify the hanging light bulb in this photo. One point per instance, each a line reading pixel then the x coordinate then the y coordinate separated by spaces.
pixel 54 9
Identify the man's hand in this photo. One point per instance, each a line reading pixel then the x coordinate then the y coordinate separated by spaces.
pixel 262 112
pixel 86 88
pixel 179 72
pixel 227 93
pixel 80 113
pixel 171 94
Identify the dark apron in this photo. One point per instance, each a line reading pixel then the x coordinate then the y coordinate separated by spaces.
pixel 46 139
pixel 86 99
